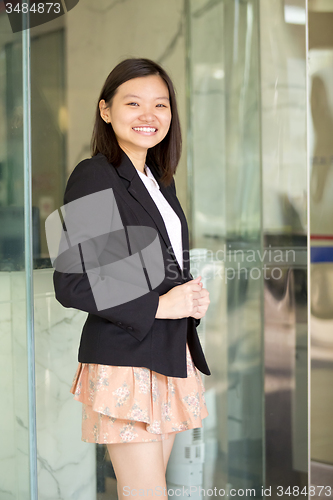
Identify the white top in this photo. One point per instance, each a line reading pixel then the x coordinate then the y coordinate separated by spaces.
pixel 171 219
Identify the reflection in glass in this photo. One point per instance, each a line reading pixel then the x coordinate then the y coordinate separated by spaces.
pixel 224 154
pixel 321 185
pixel 284 187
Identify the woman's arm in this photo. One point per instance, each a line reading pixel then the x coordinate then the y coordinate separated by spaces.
pixel 73 289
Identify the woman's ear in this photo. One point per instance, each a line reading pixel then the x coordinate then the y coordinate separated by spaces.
pixel 103 109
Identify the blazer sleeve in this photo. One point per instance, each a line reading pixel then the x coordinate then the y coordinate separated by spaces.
pixel 74 289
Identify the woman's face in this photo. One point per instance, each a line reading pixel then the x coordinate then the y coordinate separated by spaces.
pixel 140 102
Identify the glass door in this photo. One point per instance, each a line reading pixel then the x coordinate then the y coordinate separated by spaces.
pixel 247 157
pixel 224 158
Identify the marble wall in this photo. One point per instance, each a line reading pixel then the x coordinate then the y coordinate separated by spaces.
pixel 14 470
pixel 66 465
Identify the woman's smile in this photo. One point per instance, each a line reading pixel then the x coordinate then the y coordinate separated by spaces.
pixel 145 130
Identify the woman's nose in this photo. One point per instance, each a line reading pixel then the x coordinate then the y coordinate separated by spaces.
pixel 148 115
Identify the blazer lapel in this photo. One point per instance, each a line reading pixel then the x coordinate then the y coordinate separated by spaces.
pixel 138 190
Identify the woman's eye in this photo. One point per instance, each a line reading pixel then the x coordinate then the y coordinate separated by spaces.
pixel 130 104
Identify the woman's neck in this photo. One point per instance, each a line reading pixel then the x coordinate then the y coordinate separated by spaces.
pixel 137 158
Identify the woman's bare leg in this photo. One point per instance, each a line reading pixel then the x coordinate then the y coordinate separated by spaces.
pixel 139 466
pixel 167 445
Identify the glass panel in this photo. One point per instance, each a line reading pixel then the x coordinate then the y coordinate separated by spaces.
pixel 224 154
pixel 49 122
pixel 14 416
pixel 321 185
pixel 284 166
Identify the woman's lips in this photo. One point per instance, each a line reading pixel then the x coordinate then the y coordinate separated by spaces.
pixel 142 132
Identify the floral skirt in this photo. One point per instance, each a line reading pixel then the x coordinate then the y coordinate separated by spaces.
pixel 122 404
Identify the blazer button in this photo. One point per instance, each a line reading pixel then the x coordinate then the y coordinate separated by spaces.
pixel 119 323
pixel 129 328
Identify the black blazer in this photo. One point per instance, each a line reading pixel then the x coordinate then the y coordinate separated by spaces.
pixel 129 334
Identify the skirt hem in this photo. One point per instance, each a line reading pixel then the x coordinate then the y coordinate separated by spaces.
pixel 134 404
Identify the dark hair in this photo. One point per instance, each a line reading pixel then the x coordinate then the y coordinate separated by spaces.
pixel 165 155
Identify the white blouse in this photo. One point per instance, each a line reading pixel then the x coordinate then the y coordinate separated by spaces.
pixel 171 219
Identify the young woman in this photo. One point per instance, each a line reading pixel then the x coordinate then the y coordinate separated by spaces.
pixel 139 360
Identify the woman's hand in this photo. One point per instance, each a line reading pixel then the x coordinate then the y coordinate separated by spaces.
pixel 182 301
pixel 203 303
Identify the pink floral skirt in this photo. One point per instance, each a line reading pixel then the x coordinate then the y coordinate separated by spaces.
pixel 122 404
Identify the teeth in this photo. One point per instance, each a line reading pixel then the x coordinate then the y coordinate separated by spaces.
pixel 144 129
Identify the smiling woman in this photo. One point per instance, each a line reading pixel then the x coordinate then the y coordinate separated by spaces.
pixel 138 375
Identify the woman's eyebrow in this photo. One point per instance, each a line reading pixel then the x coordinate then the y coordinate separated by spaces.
pixel 138 97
